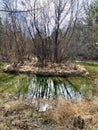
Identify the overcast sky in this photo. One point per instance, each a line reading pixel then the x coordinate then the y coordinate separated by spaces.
pixel 24 5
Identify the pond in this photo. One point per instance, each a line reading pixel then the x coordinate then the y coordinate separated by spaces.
pixel 71 88
pixel 50 87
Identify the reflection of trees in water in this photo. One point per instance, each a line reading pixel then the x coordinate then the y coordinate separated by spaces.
pixel 51 88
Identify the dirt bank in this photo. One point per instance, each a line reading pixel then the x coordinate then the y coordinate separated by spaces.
pixel 62 70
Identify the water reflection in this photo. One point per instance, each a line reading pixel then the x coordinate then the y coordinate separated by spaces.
pixel 53 88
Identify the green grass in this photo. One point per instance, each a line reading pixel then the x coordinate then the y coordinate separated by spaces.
pixel 12 83
pixel 92 68
pixel 87 81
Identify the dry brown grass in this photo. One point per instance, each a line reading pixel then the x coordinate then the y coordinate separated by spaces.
pixel 79 116
pixel 63 116
pixel 62 113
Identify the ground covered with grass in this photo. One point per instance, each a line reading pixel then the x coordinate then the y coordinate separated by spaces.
pixel 18 113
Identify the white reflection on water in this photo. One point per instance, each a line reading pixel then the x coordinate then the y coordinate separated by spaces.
pixel 49 89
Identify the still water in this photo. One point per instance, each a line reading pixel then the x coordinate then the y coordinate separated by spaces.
pixel 49 87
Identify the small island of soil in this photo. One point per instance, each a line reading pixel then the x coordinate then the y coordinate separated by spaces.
pixel 51 69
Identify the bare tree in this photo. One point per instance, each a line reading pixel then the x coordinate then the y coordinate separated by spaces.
pixel 49 24
pixel 16 29
pixel 54 16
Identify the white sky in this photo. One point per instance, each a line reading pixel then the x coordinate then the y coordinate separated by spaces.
pixel 24 5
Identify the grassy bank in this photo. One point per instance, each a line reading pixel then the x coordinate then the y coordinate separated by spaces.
pixel 10 83
pixel 88 81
